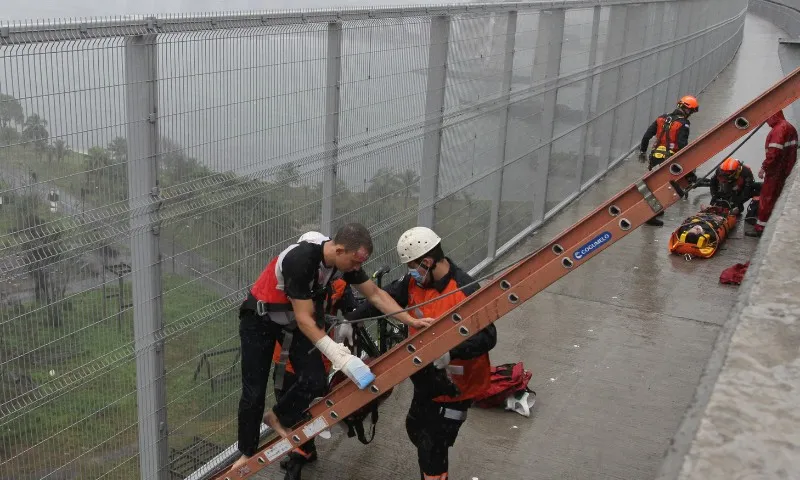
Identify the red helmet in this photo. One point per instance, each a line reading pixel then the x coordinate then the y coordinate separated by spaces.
pixel 690 103
pixel 729 170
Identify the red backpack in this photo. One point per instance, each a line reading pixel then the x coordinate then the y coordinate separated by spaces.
pixel 506 380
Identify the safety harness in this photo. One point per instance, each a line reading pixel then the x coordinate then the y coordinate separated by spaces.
pixel 288 335
pixel 663 149
pixel 355 421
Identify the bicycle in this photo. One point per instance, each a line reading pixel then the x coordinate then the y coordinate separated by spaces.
pixel 389 333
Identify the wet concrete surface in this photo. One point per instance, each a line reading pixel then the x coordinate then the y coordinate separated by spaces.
pixel 616 348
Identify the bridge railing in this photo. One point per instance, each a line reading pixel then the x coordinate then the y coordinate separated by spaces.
pixel 152 165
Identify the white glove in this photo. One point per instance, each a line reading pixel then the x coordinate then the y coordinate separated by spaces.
pixel 344 332
pixel 342 359
pixel 442 361
pixel 337 353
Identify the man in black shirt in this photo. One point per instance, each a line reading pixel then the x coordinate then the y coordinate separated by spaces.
pixel 289 295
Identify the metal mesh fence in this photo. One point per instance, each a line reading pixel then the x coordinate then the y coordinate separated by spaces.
pixel 151 167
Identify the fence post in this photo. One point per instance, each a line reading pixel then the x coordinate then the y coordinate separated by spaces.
pixel 628 82
pixel 689 54
pixel 664 59
pixel 648 68
pixel 549 40
pixel 607 90
pixel 677 61
pixel 497 180
pixel 700 81
pixel 332 100
pixel 141 71
pixel 434 110
pixel 587 99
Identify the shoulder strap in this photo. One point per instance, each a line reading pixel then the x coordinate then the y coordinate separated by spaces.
pixel 664 137
pixel 358 427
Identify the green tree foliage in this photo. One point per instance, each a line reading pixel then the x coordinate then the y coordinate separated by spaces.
pixel 41 247
pixel 60 150
pixel 119 149
pixel 34 133
pixel 98 159
pixel 288 174
pixel 410 181
pixel 10 111
pixel 118 171
pixel 8 136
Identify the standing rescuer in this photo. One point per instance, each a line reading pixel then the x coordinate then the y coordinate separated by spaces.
pixel 779 159
pixel 671 131
pixel 292 288
pixel 445 389
pixel 339 297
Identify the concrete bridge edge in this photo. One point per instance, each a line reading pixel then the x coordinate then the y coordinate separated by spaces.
pixel 743 420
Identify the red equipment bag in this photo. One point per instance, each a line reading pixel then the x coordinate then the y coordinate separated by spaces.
pixel 506 380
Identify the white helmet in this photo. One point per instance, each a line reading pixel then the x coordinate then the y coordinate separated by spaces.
pixel 415 243
pixel 313 237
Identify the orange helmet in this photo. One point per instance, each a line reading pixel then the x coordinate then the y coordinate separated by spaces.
pixel 690 103
pixel 729 170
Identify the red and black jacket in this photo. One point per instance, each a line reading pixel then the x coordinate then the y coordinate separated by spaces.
pixel 737 194
pixel 671 130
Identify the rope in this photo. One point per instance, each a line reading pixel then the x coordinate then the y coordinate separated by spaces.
pixel 694 185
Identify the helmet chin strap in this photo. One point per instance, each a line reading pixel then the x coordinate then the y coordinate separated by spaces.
pixel 427 271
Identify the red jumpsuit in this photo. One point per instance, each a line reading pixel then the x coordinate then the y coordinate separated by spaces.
pixel 781 154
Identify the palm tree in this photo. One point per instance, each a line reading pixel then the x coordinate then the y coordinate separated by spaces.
pixel 10 111
pixel 383 184
pixel 61 150
pixel 119 149
pixel 410 181
pixel 34 131
pixel 97 160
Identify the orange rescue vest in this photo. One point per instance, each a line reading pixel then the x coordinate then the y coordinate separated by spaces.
pixel 472 377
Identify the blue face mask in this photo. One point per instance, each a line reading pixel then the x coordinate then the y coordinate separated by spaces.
pixel 418 277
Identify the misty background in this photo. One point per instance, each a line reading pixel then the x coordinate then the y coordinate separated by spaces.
pixel 46 9
pixel 249 100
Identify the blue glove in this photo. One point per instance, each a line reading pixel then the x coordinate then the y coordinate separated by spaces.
pixel 357 371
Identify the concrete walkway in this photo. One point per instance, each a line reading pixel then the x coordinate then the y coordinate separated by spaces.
pixel 616 348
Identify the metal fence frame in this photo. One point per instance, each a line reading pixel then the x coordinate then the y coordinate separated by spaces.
pixel 680 55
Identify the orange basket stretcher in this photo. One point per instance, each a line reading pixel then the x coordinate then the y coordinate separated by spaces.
pixel 702 234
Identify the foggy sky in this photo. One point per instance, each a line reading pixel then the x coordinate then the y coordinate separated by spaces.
pixel 11 10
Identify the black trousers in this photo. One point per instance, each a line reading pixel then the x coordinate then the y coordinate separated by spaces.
pixel 432 433
pixel 290 379
pixel 258 336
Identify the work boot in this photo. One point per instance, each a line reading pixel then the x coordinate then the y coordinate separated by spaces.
pixel 294 469
pixel 656 222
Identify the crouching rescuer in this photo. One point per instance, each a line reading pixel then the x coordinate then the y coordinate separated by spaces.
pixel 732 185
pixel 289 295
pixel 445 389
